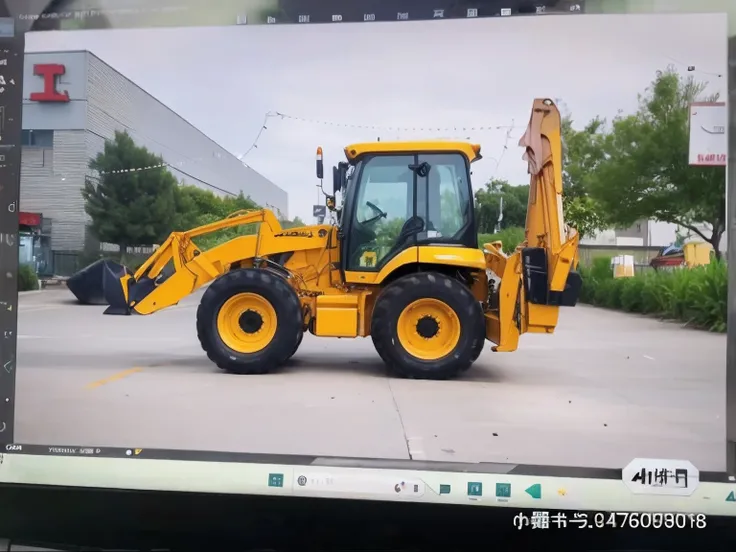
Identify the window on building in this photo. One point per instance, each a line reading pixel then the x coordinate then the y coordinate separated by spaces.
pixel 38 138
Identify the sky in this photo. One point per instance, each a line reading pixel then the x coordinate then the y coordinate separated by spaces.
pixel 448 77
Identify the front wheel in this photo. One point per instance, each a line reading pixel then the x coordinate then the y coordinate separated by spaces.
pixel 248 321
pixel 428 326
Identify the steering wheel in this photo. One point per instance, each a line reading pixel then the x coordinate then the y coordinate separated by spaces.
pixel 379 213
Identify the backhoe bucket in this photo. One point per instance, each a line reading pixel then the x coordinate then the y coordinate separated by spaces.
pixel 102 283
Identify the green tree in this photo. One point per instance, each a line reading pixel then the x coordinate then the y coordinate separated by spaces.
pixel 644 170
pixel 295 223
pixel 197 206
pixel 240 202
pixel 129 208
pixel 488 202
pixel 388 231
pixel 192 204
pixel 581 154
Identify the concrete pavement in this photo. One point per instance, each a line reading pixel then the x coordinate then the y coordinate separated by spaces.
pixel 606 388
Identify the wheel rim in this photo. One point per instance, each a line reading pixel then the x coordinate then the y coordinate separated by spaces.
pixel 246 323
pixel 428 329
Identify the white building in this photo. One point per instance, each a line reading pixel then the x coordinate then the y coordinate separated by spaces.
pixel 647 233
pixel 72 103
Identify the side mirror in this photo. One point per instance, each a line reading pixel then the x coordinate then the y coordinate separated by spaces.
pixel 339 177
pixel 320 167
pixel 336 184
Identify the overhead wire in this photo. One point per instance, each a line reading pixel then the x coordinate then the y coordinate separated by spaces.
pixel 503 150
pixel 453 128
pixel 134 130
pixel 166 164
pixel 254 145
pixel 95 177
pixel 692 68
pixel 177 165
pixel 187 158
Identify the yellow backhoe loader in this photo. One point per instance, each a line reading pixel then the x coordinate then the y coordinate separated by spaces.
pixel 399 262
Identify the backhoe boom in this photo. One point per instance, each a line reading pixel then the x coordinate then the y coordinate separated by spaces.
pixel 538 277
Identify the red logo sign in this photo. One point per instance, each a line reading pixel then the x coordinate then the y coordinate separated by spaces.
pixel 29 219
pixel 49 72
pixel 712 159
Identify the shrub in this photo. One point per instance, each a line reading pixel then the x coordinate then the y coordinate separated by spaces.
pixel 596 287
pixel 511 237
pixel 631 294
pixel 601 269
pixel 696 296
pixel 27 278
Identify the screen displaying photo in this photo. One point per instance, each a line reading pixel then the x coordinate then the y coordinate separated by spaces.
pixel 488 240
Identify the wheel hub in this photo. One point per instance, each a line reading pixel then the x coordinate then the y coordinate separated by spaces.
pixel 250 321
pixel 427 327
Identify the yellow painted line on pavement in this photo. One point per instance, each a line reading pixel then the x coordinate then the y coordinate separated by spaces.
pixel 114 377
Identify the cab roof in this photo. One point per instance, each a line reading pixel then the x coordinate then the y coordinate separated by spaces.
pixel 355 151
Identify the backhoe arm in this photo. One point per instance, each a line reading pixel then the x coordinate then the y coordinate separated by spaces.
pixel 539 276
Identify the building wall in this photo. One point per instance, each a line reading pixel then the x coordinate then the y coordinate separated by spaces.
pixel 49 116
pixel 636 232
pixel 51 183
pixel 101 102
pixel 115 103
pixel 647 234
pixel 661 234
pixel 52 175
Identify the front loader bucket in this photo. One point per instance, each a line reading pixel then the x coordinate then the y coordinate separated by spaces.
pixel 115 280
pixel 101 283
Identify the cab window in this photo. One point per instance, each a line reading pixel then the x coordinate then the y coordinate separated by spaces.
pixel 404 200
pixel 384 201
pixel 443 197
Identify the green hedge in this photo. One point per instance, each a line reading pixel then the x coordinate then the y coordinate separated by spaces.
pixel 696 296
pixel 511 237
pixel 27 278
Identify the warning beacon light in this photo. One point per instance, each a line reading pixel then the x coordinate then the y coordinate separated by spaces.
pixel 320 167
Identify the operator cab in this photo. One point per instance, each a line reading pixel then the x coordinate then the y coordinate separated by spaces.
pixel 402 195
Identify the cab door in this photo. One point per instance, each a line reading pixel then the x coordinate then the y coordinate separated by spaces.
pixel 381 204
pixel 400 201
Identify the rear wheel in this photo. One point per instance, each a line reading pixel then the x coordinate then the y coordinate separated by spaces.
pixel 480 343
pixel 248 321
pixel 428 326
pixel 296 347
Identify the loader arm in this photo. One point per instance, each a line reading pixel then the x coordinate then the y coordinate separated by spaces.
pixel 180 249
pixel 151 288
pixel 539 277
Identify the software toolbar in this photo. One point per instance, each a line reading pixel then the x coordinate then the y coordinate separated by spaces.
pixel 298 12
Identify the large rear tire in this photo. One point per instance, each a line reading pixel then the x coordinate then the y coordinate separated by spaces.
pixel 296 347
pixel 428 326
pixel 481 342
pixel 249 321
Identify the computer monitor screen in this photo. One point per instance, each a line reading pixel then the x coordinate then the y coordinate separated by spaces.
pixel 457 239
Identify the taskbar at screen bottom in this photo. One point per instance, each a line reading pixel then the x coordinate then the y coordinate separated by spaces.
pixel 333 461
pixel 498 485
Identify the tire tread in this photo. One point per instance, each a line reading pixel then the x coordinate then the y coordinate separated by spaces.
pixel 399 294
pixel 284 300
